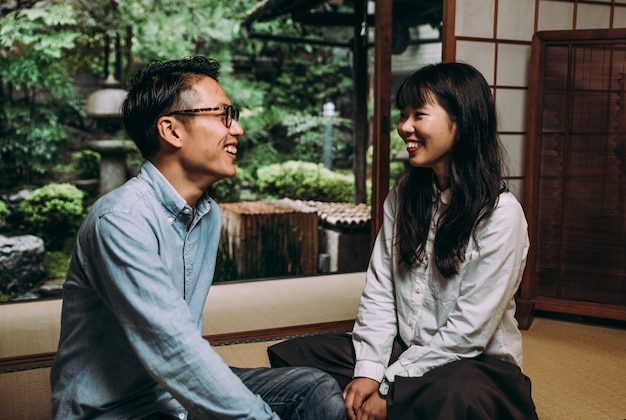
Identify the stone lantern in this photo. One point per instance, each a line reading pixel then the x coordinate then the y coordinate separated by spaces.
pixel 104 106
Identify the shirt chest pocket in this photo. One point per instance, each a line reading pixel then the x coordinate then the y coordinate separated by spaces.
pixel 441 299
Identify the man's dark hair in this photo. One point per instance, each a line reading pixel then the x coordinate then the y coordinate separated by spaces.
pixel 158 89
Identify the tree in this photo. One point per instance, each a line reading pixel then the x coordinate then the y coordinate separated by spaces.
pixel 46 48
pixel 37 95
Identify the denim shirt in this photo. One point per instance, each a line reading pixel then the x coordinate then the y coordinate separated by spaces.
pixel 131 341
pixel 442 320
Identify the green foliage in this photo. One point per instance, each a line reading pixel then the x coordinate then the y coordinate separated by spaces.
pixel 226 190
pixel 307 133
pixel 262 155
pixel 257 119
pixel 203 27
pixel 86 163
pixel 396 144
pixel 31 141
pixel 56 264
pixel 41 96
pixel 4 212
pixel 276 107
pixel 396 168
pixel 310 75
pixel 336 187
pixel 304 181
pixel 34 40
pixel 44 48
pixel 53 212
pixel 317 84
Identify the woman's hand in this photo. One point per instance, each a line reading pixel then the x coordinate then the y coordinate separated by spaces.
pixel 363 401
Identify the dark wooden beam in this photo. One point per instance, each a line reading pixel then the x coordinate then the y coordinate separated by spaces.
pixel 382 111
pixel 360 130
pixel 279 333
pixel 448 42
pixel 299 40
pixel 331 19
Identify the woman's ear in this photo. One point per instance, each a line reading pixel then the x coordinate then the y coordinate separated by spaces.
pixel 170 130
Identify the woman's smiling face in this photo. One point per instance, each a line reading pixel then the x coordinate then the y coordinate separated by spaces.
pixel 429 135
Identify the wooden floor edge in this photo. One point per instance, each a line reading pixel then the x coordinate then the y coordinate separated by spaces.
pixel 32 361
pixel 278 333
pixel 42 360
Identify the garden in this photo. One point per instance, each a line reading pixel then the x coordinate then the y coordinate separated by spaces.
pixel 55 53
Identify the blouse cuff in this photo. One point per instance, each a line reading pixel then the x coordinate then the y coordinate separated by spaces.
pixel 369 369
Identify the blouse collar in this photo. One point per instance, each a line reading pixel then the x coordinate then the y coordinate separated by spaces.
pixel 443 196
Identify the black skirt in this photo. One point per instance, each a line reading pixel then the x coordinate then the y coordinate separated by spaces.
pixel 483 387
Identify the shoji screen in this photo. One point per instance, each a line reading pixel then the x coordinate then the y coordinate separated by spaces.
pixel 576 173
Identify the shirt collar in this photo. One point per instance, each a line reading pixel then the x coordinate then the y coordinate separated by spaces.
pixel 167 194
pixel 443 196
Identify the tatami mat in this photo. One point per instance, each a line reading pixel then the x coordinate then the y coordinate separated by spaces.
pixel 25 395
pixel 578 370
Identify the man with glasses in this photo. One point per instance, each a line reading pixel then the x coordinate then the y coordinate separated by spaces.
pixel 131 344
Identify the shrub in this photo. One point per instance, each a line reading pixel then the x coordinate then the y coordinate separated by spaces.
pixel 53 212
pixel 86 163
pixel 304 181
pixel 226 190
pixel 57 264
pixel 235 189
pixel 4 212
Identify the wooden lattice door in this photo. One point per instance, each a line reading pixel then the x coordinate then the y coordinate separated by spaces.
pixel 575 190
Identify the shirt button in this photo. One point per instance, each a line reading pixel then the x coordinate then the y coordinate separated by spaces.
pixel 186 211
pixel 181 416
pixel 418 290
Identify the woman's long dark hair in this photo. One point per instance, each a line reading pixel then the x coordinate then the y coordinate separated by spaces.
pixel 475 166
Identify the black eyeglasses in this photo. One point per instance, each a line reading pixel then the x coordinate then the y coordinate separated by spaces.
pixel 230 113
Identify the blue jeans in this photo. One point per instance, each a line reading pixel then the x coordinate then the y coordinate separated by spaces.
pixel 296 393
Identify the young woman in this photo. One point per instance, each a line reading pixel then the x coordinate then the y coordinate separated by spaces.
pixel 435 334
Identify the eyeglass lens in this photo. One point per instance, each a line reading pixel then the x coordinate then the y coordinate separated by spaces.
pixel 232 113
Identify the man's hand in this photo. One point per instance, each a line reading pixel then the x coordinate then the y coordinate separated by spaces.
pixel 363 401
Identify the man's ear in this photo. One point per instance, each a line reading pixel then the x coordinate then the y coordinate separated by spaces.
pixel 170 130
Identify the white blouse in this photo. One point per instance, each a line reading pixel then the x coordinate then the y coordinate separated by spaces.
pixel 442 320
